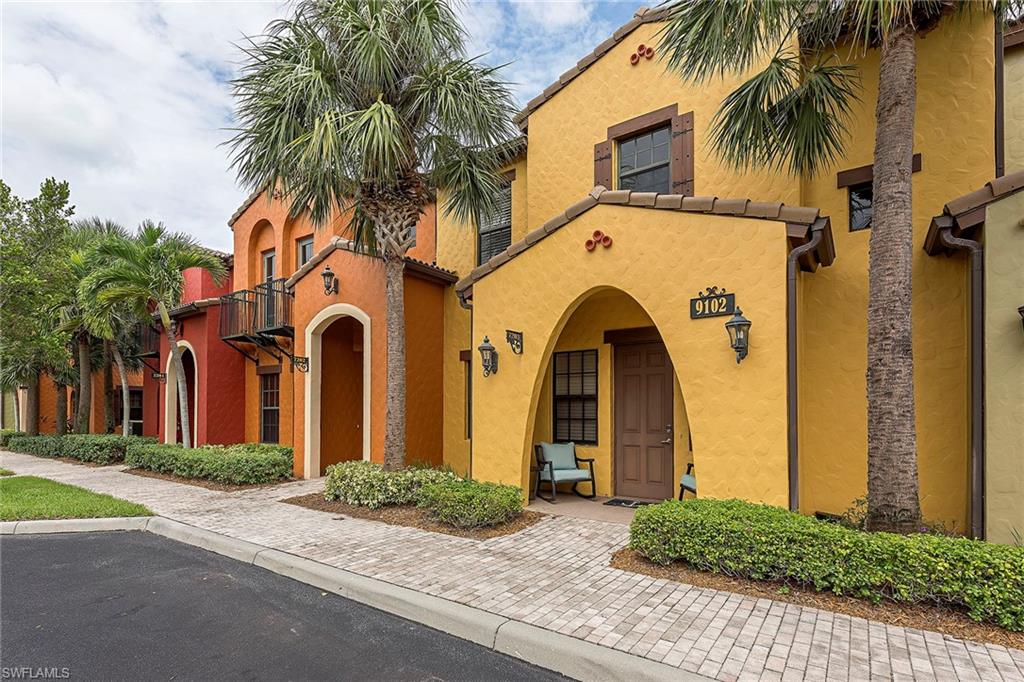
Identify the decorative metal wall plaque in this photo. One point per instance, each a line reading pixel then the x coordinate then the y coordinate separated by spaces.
pixel 713 302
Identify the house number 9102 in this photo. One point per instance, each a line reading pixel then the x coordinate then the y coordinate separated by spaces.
pixel 714 302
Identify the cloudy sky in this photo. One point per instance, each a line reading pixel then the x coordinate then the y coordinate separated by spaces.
pixel 130 101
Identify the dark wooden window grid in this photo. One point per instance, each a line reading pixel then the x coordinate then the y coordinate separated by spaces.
pixel 643 161
pixel 861 209
pixel 270 408
pixel 574 397
pixel 495 233
pixel 680 147
pixel 268 258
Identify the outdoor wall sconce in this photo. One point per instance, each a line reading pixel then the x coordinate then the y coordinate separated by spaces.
pixel 1020 311
pixel 489 357
pixel 515 339
pixel 330 281
pixel 739 334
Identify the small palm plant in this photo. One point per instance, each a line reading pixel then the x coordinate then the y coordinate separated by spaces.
pixel 791 113
pixel 145 272
pixel 372 106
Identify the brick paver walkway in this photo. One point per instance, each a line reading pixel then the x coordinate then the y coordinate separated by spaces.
pixel 555 574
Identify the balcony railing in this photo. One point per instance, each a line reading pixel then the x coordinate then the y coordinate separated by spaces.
pixel 147 341
pixel 238 315
pixel 274 309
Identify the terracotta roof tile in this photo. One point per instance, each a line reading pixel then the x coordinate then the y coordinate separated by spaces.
pixel 249 201
pixel 741 208
pixel 341 244
pixel 959 212
pixel 643 15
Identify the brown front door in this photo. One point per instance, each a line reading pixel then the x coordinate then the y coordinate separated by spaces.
pixel 643 421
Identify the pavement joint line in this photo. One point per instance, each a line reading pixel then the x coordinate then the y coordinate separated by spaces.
pixel 570 656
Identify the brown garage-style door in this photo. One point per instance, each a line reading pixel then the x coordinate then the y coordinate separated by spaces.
pixel 643 421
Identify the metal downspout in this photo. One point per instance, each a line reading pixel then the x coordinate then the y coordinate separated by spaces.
pixel 977 258
pixel 792 406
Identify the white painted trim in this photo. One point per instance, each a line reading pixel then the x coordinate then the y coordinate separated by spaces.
pixel 171 396
pixel 311 418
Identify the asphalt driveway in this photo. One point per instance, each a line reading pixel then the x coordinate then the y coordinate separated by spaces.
pixel 134 606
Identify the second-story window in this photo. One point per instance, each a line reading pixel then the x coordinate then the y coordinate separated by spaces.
pixel 496 230
pixel 644 161
pixel 304 250
pixel 860 206
pixel 268 265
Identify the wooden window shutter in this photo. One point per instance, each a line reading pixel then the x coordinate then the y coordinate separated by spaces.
pixel 682 154
pixel 603 164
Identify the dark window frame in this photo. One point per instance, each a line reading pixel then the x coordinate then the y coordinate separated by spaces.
pixel 299 245
pixel 681 172
pixel 268 256
pixel 267 390
pixel 570 398
pixel 494 234
pixel 636 172
pixel 860 203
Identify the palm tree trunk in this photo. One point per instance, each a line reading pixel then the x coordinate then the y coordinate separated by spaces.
pixel 125 394
pixel 179 369
pixel 60 410
pixel 84 413
pixel 32 406
pixel 108 389
pixel 893 500
pixel 394 426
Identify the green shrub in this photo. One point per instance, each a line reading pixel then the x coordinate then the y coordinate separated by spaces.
pixel 240 464
pixel 86 447
pixel 471 504
pixel 768 543
pixel 6 434
pixel 366 484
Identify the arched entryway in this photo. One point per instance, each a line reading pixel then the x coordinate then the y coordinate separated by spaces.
pixel 337 414
pixel 609 385
pixel 172 424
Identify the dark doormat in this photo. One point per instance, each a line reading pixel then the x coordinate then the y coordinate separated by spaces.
pixel 623 502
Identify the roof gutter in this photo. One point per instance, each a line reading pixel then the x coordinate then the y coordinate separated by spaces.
pixel 977 259
pixel 792 404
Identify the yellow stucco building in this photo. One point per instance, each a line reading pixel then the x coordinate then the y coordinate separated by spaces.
pixel 619 297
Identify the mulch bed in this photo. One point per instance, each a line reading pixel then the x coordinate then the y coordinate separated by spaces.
pixel 937 618
pixel 408 515
pixel 203 483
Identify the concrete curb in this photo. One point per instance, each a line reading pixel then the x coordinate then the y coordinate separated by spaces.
pixel 74 525
pixel 567 655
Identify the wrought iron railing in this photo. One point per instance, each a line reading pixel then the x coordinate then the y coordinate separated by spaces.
pixel 238 315
pixel 274 308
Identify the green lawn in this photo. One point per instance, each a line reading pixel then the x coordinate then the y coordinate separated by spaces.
pixel 30 497
pixel 6 472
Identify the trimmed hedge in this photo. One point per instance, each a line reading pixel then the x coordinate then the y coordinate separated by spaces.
pixel 87 447
pixel 7 434
pixel 769 543
pixel 471 504
pixel 366 484
pixel 241 464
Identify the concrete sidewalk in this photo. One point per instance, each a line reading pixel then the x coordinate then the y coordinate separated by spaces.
pixel 555 575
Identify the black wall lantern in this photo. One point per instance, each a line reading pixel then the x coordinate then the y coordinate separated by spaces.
pixel 515 339
pixel 330 281
pixel 1020 311
pixel 739 334
pixel 488 357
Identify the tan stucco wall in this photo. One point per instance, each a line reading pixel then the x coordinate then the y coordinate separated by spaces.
pixel 737 411
pixel 955 93
pixel 1004 370
pixel 1013 102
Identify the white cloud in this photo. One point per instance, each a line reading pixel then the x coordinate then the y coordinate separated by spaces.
pixel 129 101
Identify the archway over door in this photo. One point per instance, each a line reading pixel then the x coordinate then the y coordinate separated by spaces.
pixel 172 427
pixel 338 343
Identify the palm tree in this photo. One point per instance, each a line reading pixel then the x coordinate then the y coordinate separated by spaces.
pixel 145 271
pixel 793 112
pixel 372 106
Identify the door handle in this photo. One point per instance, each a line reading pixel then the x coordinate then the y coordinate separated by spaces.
pixel 667 441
